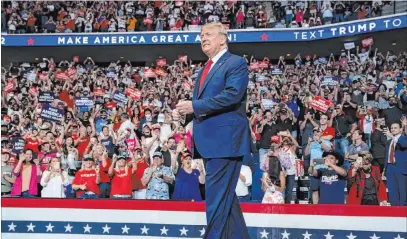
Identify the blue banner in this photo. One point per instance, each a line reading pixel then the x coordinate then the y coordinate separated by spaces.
pixel 84 103
pixel 52 114
pixel 235 36
pixel 120 98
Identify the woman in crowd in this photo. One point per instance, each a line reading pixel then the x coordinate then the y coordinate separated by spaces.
pixel 139 190
pixel 121 175
pixel 87 179
pixel 53 180
pixel 27 175
pixel 287 156
pixel 188 180
pixel 367 187
pixel 273 180
pixel 103 163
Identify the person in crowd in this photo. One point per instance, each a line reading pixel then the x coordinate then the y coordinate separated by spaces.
pixel 367 187
pixel 187 180
pixel 355 148
pixel 54 180
pixel 7 179
pixel 267 129
pixel 27 173
pixel 395 168
pixel 287 156
pixel 378 140
pixel 139 190
pixel 103 162
pixel 315 148
pixel 121 175
pixel 243 184
pixel 156 178
pixel 273 180
pixel 344 127
pixel 332 178
pixel 87 179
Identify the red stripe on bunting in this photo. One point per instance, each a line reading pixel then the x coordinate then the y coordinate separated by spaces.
pixel 299 209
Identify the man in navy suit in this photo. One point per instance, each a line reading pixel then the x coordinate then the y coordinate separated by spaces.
pixel 221 131
pixel 396 166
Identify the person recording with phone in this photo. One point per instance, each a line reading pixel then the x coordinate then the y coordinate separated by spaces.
pixel 366 185
pixel 53 180
pixel 273 180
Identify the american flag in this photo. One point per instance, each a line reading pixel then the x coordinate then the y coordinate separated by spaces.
pixel 47 218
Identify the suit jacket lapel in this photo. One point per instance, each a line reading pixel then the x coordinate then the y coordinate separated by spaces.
pixel 198 78
pixel 223 58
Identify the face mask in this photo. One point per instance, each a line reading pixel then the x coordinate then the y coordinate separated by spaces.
pixel 392 103
pixel 149 118
pixel 103 117
pixel 388 78
pixel 173 147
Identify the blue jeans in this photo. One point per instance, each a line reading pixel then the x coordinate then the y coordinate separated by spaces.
pixel 339 17
pixel 104 189
pixel 25 194
pixel 288 194
pixel 88 196
pixel 288 19
pixel 341 145
pixel 244 198
pixel 263 158
pixel 69 193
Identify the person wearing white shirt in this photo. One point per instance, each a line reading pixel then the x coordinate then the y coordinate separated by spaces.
pixel 242 187
pixel 53 180
pixel 127 124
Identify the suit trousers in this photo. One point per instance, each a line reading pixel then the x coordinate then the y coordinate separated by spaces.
pixel 397 185
pixel 223 213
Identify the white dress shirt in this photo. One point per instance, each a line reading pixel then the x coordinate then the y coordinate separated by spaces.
pixel 217 57
pixel 242 188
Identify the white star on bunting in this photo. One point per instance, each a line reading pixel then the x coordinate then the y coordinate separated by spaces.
pixel 328 236
pixel 285 234
pixel 30 227
pixel 399 237
pixel 68 228
pixel 306 235
pixel 12 227
pixel 374 237
pixel 264 234
pixel 202 231
pixel 183 231
pixel 125 229
pixel 49 227
pixel 164 231
pixel 351 236
pixel 87 228
pixel 106 229
pixel 144 230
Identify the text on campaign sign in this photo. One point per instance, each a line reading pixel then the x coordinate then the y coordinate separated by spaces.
pixel 234 36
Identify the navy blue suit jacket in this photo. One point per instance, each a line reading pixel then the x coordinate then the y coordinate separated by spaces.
pixel 221 128
pixel 400 154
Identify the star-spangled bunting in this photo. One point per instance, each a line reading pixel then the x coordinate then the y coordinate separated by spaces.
pixel 180 231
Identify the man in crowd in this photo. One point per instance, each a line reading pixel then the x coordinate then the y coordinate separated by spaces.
pixel 396 165
pixel 344 127
pixel 332 179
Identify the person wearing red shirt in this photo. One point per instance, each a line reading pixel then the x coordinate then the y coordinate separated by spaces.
pixel 139 190
pixel 121 177
pixel 31 141
pixel 327 133
pixel 103 162
pixel 87 179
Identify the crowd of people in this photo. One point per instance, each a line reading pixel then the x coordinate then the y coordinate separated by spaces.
pixel 76 129
pixel 19 17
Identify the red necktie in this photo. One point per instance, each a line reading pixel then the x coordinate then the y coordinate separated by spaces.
pixel 392 148
pixel 204 74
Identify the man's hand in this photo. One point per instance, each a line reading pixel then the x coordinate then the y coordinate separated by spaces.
pixel 185 107
pixel 176 116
